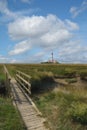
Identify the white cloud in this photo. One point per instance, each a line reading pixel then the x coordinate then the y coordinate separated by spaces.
pixel 8 15
pixel 7 59
pixel 3 59
pixel 32 26
pixel 20 48
pixel 13 61
pixel 73 52
pixel 71 25
pixel 45 32
pixel 26 1
pixel 5 10
pixel 55 37
pixel 75 11
pixel 37 26
pixel 3 5
pixel 39 56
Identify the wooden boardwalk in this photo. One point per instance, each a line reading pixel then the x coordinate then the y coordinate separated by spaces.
pixel 30 116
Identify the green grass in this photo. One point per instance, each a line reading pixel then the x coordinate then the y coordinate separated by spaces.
pixel 9 116
pixel 58 70
pixel 59 110
pixel 2 76
pixel 78 112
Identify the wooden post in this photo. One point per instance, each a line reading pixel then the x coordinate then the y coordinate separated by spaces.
pixel 7 81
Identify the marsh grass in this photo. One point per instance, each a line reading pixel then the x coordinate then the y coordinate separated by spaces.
pixel 64 111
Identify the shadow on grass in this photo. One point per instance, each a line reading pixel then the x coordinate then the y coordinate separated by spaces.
pixel 43 86
pixel 2 88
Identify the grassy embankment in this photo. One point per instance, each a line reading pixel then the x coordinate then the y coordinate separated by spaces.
pixel 65 107
pixel 47 72
pixel 9 116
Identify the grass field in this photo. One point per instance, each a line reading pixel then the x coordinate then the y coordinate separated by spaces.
pixel 59 70
pixel 64 106
pixel 9 116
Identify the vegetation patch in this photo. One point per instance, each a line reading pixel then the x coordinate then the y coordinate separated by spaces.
pixel 64 111
pixel 83 75
pixel 9 116
pixel 71 80
pixel 78 112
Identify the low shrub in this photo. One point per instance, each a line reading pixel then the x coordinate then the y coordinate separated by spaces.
pixel 70 74
pixel 83 75
pixel 78 112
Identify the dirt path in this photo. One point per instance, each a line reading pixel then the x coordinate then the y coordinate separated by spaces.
pixel 63 82
pixel 80 83
pixel 61 85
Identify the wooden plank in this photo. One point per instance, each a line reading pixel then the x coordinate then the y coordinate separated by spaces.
pixel 34 126
pixel 23 80
pixel 28 76
pixel 27 89
pixel 26 82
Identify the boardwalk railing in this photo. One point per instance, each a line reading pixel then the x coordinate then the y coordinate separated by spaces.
pixel 24 81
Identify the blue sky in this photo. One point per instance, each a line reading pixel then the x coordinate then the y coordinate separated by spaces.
pixel 30 30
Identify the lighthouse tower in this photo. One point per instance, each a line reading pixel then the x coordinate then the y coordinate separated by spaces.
pixel 52 57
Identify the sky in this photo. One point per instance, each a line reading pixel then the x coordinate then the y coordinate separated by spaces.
pixel 30 30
